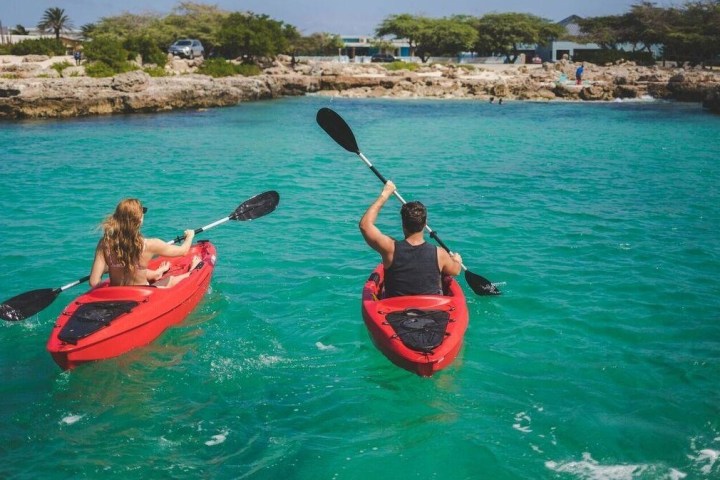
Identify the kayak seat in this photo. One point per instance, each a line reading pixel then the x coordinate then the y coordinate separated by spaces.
pixel 419 330
pixel 91 317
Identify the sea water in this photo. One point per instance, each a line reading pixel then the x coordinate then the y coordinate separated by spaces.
pixel 600 360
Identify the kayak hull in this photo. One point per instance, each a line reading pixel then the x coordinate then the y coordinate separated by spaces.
pixel 151 311
pixel 375 310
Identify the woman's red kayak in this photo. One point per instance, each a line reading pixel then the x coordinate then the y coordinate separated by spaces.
pixel 420 333
pixel 109 321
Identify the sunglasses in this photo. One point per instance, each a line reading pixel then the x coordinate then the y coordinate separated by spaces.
pixel 144 210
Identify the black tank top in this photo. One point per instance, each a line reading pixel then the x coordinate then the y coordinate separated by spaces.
pixel 414 271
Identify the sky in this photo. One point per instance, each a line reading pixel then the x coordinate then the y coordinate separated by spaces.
pixel 344 17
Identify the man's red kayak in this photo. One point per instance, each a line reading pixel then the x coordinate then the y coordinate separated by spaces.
pixel 109 321
pixel 420 333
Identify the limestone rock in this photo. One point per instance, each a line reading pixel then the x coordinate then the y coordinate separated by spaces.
pixel 135 81
pixel 35 58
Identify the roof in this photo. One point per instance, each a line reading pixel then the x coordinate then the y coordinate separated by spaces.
pixel 571 24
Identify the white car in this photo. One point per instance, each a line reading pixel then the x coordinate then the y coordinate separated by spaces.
pixel 187 48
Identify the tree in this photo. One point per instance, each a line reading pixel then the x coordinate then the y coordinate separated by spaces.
pixel 318 44
pixel 646 24
pixel 445 37
pixel 694 33
pixel 249 36
pixel 54 20
pixel 607 31
pixel 406 26
pixel 504 33
pixel 194 20
pixel 429 36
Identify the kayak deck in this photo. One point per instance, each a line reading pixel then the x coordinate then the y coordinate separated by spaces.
pixel 424 361
pixel 106 321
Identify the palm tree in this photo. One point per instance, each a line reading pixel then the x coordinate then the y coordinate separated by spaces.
pixel 55 20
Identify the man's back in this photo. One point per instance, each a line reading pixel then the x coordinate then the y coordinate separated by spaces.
pixel 414 271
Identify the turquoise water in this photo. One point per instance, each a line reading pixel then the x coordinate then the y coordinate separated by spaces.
pixel 601 360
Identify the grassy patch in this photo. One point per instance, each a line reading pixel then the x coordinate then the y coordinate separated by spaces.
pixel 394 66
pixel 218 67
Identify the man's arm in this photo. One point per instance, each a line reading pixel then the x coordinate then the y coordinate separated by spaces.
pixel 377 240
pixel 449 264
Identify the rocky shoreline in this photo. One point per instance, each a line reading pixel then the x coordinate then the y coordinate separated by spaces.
pixel 34 89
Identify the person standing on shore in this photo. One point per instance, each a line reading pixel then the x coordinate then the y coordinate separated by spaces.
pixel 412 266
pixel 124 253
pixel 579 73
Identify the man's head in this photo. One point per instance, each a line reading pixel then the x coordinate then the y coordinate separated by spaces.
pixel 414 217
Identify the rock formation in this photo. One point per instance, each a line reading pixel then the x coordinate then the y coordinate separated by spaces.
pixel 33 88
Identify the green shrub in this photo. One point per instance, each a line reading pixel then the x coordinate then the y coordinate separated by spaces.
pixel 38 46
pixel 107 49
pixel 248 69
pixel 5 49
pixel 147 48
pixel 219 67
pixel 412 66
pixel 102 69
pixel 155 71
pixel 60 66
pixel 98 70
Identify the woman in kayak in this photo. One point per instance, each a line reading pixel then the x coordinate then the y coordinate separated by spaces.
pixel 412 266
pixel 124 253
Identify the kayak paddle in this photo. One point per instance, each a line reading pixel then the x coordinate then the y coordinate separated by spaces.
pixel 28 304
pixel 340 131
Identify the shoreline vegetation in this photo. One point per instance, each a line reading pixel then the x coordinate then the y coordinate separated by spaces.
pixel 36 86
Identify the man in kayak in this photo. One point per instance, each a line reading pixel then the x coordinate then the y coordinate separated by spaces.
pixel 124 252
pixel 412 266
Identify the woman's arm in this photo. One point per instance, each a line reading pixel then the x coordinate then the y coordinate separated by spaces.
pixel 99 267
pixel 155 246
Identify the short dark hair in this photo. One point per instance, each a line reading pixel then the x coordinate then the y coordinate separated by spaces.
pixel 414 217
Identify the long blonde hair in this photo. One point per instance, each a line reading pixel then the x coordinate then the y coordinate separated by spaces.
pixel 122 242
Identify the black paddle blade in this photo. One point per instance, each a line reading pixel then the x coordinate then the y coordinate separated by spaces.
pixel 257 206
pixel 27 304
pixel 480 285
pixel 335 126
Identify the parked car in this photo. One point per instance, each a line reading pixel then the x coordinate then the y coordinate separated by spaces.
pixel 383 58
pixel 187 48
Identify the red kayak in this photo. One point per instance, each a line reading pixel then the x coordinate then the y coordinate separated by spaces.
pixel 109 321
pixel 420 333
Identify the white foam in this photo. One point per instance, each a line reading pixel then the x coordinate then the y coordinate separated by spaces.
pixel 521 419
pixel 589 468
pixel 217 439
pixel 708 457
pixel 70 419
pixel 321 346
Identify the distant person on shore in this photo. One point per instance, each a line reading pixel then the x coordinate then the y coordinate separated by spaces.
pixel 492 99
pixel 124 252
pixel 500 101
pixel 579 73
pixel 77 55
pixel 412 266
